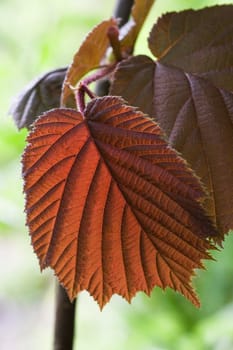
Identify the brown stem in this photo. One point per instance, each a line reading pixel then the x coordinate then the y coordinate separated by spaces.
pixel 113 35
pixel 64 322
pixel 105 71
pixel 80 96
pixel 83 89
pixel 122 11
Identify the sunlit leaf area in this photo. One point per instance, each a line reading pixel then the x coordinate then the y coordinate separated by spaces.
pixel 36 37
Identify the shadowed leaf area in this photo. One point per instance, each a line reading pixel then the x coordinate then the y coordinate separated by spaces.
pixel 40 95
pixel 188 91
pixel 110 206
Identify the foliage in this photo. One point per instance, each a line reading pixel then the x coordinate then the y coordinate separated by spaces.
pixel 40 42
pixel 145 211
pixel 188 91
pixel 58 200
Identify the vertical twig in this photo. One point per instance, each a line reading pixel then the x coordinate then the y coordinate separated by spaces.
pixel 65 310
pixel 64 322
pixel 122 10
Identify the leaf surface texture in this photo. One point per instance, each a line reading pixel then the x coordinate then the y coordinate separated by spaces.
pixel 188 91
pixel 110 206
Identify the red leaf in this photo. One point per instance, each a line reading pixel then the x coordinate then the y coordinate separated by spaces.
pixel 110 207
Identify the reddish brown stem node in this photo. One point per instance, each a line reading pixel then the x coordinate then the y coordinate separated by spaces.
pixel 80 96
pixel 83 89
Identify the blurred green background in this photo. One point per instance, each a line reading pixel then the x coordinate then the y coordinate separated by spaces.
pixel 35 37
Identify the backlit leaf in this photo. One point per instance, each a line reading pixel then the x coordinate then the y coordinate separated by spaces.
pixel 88 57
pixel 110 206
pixel 188 91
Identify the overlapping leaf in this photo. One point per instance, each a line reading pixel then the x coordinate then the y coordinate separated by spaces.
pixel 40 95
pixel 88 57
pixel 195 41
pixel 94 47
pixel 110 206
pixel 188 94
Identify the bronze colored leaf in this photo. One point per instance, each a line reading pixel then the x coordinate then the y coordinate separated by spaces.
pixel 131 29
pixel 40 95
pixel 189 92
pixel 88 57
pixel 110 206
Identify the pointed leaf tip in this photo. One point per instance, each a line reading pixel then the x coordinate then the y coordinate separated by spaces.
pixel 110 207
